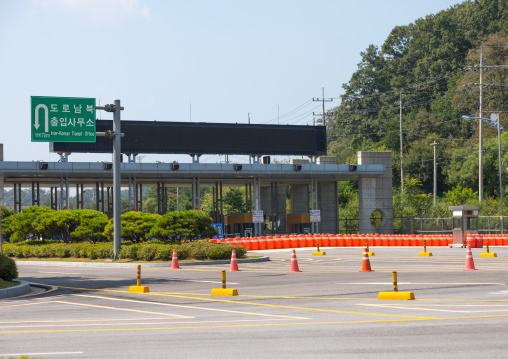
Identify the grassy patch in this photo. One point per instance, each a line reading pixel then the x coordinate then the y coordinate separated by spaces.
pixel 7 284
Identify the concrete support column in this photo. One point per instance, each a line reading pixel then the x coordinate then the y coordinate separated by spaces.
pixel 196 194
pixel 273 204
pixel 139 196
pixel 329 206
pixel 300 199
pixel 256 185
pixel 375 193
pixel 99 196
pixel 80 196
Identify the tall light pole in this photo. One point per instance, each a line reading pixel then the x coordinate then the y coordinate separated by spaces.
pixel 435 172
pixel 480 133
pixel 401 163
pixel 494 117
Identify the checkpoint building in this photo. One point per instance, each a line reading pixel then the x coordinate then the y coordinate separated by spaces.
pixel 312 182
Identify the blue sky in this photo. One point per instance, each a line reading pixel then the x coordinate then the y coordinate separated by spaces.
pixel 226 58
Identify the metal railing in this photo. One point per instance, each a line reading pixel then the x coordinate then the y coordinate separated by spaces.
pixel 486 225
pixel 352 225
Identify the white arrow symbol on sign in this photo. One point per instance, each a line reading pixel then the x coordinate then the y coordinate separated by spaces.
pixel 46 113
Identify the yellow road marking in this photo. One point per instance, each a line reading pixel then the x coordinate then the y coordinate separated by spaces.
pixel 256 304
pixel 432 309
pixel 111 322
pixel 195 307
pixel 289 307
pixel 123 309
pixel 245 325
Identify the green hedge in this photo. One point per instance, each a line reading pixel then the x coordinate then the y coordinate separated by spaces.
pixel 149 251
pixel 8 269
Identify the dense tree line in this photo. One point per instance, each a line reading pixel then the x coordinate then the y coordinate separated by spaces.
pixel 38 222
pixel 430 69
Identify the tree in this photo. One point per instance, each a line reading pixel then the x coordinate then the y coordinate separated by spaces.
pixel 180 225
pixel 233 201
pixel 134 225
pixel 91 226
pixel 25 225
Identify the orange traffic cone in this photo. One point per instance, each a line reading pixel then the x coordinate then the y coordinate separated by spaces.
pixel 234 263
pixel 294 263
pixel 366 261
pixel 469 260
pixel 174 263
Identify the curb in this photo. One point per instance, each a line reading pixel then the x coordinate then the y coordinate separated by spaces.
pixel 18 290
pixel 134 265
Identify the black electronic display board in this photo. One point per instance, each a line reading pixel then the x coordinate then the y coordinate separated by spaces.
pixel 205 138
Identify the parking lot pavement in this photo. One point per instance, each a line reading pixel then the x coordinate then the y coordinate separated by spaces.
pixel 329 309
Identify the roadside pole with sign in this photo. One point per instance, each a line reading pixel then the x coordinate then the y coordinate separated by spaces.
pixel 73 119
pixel 315 217
pixel 63 119
pixel 257 217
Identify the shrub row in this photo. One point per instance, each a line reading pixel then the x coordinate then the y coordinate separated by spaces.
pixel 150 251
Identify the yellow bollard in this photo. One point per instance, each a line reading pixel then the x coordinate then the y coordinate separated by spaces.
pixel 223 291
pixel 395 295
pixel 138 288
pixel 318 253
pixel 488 254
pixel 425 253
pixel 371 254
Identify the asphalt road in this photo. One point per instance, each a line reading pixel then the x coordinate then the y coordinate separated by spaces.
pixel 329 310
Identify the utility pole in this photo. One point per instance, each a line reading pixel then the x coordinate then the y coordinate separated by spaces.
pixel 493 117
pixel 480 117
pixel 480 133
pixel 435 172
pixel 323 99
pixel 401 163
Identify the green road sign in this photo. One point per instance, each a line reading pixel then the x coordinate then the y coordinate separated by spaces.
pixel 63 119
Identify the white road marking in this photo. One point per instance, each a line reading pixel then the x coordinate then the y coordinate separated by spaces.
pixel 490 310
pixel 199 281
pixel 58 273
pixel 27 354
pixel 386 283
pixel 191 307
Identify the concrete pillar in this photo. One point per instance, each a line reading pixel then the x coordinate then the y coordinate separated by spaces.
pixel 268 202
pixel 375 193
pixel 328 204
pixel 300 199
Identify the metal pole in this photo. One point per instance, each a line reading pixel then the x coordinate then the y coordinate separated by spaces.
pixel 480 140
pixel 116 181
pixel 500 174
pixel 401 165
pixel 435 171
pixel 324 120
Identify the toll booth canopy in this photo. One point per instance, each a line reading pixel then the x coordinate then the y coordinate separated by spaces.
pixel 465 220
